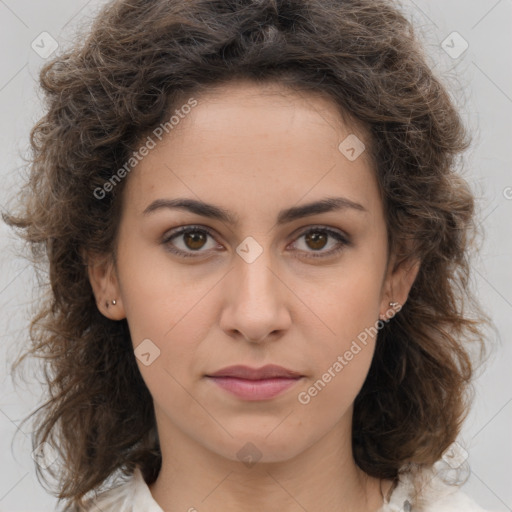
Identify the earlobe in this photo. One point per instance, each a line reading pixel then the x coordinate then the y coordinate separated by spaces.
pixel 105 286
pixel 398 286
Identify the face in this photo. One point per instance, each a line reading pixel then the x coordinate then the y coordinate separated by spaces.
pixel 269 282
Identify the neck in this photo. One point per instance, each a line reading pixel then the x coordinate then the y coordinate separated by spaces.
pixel 323 477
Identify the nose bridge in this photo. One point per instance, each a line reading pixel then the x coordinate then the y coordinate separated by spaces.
pixel 255 274
pixel 256 306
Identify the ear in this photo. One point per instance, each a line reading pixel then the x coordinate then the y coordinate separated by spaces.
pixel 396 287
pixel 105 285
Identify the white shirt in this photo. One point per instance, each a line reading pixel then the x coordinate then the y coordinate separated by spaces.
pixel 133 495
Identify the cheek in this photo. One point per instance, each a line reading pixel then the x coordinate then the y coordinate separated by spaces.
pixel 175 371
pixel 332 392
pixel 348 308
pixel 159 298
pixel 341 363
pixel 167 318
pixel 348 303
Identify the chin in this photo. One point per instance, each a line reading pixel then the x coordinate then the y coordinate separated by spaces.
pixel 258 446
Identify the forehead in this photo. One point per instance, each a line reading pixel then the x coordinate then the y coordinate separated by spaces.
pixel 247 139
pixel 270 109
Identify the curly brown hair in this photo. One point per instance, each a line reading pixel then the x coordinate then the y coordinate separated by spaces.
pixel 124 77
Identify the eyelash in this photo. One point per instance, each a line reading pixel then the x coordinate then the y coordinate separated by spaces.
pixel 343 241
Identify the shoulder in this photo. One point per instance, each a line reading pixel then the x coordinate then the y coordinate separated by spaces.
pixel 425 491
pixel 132 494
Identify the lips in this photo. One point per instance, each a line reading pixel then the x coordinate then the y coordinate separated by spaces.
pixel 270 371
pixel 255 383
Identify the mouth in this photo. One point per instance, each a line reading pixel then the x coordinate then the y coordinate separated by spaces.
pixel 255 383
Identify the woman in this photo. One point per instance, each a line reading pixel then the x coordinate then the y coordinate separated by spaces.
pixel 257 245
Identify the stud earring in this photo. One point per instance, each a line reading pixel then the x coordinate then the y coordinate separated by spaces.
pixel 390 314
pixel 114 302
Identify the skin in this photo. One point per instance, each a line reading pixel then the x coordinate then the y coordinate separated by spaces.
pixel 254 150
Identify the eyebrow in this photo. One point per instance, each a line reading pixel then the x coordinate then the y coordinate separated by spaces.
pixel 328 204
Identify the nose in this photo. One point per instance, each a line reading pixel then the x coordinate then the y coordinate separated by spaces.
pixel 256 301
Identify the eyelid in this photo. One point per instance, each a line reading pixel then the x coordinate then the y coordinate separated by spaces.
pixel 322 227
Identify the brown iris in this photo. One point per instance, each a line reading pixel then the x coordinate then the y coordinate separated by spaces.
pixel 194 239
pixel 317 238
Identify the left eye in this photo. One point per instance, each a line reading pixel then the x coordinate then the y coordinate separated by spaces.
pixel 317 238
pixel 194 238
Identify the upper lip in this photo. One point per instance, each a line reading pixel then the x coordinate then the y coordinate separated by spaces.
pixel 246 372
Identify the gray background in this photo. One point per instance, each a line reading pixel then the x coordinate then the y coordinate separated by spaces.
pixel 481 81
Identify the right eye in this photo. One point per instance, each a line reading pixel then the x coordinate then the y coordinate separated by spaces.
pixel 191 239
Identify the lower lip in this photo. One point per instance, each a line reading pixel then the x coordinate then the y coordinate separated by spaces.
pixel 255 389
